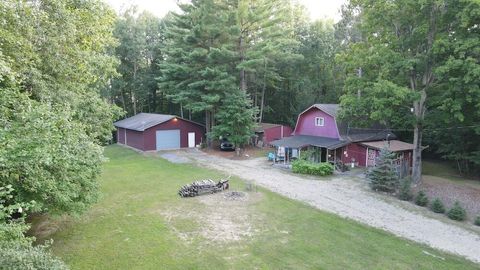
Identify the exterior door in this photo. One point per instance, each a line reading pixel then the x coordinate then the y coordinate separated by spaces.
pixel 168 139
pixel 371 156
pixel 191 139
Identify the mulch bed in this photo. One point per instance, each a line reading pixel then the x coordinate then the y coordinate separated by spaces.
pixel 468 194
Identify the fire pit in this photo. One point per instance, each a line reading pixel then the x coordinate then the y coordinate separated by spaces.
pixel 234 196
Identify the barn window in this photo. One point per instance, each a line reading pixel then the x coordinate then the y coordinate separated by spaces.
pixel 319 121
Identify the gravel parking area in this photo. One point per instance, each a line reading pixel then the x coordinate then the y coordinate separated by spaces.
pixel 347 196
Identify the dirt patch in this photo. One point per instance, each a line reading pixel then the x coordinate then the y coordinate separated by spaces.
pixel 222 217
pixel 450 191
pixel 45 226
pixel 174 158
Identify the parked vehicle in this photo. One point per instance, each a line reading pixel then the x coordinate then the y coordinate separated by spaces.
pixel 225 145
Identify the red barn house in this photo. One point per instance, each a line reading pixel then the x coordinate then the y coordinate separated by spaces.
pixel 317 128
pixel 153 132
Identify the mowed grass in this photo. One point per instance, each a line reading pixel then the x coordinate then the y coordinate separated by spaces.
pixel 126 229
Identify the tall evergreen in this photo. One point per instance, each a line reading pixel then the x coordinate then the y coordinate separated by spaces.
pixel 235 118
pixel 199 63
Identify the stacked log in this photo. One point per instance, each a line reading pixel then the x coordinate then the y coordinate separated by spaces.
pixel 202 187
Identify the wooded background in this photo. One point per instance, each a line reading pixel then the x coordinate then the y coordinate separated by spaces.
pixel 412 65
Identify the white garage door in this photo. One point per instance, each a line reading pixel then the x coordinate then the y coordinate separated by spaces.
pixel 168 139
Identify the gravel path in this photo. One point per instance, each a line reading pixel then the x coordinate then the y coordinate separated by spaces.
pixel 348 198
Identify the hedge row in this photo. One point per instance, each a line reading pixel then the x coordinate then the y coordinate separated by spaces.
pixel 307 167
pixel 457 212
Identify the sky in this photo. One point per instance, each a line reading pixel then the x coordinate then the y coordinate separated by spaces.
pixel 318 9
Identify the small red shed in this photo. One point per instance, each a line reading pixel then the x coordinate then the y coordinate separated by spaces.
pixel 152 132
pixel 267 132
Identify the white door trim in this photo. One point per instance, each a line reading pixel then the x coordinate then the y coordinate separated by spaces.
pixel 191 139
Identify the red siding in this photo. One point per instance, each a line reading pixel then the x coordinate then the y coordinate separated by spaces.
pixel 121 135
pixel 306 124
pixel 184 126
pixel 135 139
pixel 275 133
pixel 354 152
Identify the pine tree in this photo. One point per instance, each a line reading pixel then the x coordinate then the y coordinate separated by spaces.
pixel 236 118
pixel 383 176
pixel 199 64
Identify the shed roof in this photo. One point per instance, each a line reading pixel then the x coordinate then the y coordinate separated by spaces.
pixel 143 121
pixel 262 126
pixel 392 145
pixel 299 141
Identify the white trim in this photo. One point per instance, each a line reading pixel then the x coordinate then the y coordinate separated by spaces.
pixel 125 139
pixel 322 122
pixel 188 139
pixel 366 158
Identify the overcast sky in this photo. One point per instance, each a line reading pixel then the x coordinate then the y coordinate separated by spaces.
pixel 318 9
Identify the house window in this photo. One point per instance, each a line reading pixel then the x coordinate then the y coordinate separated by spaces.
pixel 319 121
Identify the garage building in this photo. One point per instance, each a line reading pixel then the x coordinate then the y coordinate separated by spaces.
pixel 151 132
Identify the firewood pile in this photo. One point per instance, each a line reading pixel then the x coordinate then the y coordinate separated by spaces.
pixel 203 187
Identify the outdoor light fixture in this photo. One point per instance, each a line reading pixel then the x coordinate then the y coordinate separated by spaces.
pixel 175 119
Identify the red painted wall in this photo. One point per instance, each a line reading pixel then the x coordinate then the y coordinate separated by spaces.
pixel 121 135
pixel 306 124
pixel 354 151
pixel 184 126
pixel 275 133
pixel 134 139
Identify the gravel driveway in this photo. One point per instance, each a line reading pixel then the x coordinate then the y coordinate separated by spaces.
pixel 348 197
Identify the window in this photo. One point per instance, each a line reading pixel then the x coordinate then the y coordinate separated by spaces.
pixel 319 121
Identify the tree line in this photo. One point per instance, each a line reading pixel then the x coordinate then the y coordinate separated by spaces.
pixel 411 65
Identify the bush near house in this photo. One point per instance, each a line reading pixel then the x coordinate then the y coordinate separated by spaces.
pixel 421 199
pixel 307 167
pixel 457 212
pixel 437 206
pixel 405 192
pixel 477 221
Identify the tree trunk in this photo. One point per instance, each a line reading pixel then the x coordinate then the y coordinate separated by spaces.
pixel 154 100
pixel 419 110
pixel 181 110
pixel 134 102
pixel 262 100
pixel 123 100
pixel 243 79
pixel 207 128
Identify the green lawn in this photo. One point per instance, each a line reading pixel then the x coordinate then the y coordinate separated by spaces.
pixel 132 228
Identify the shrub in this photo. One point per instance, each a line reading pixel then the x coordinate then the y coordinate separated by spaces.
pixel 21 257
pixel 405 192
pixel 477 221
pixel 421 199
pixel 383 177
pixel 457 212
pixel 306 167
pixel 437 206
